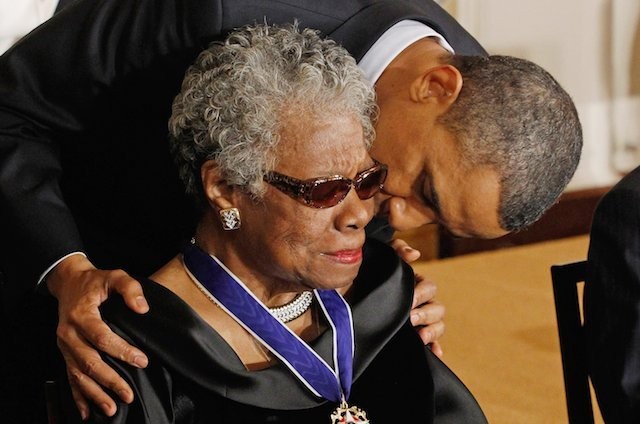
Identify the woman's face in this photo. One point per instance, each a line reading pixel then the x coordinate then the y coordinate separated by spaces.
pixel 287 242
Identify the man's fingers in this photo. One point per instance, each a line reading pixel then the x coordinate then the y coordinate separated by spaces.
pixel 98 334
pixel 86 370
pixel 406 252
pixel 436 348
pixel 83 388
pixel 425 291
pixel 130 290
pixel 427 314
pixel 81 404
pixel 431 333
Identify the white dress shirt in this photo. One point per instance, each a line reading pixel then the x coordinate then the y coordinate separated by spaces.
pixel 19 17
pixel 392 42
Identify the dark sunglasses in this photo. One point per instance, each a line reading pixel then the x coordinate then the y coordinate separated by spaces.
pixel 326 192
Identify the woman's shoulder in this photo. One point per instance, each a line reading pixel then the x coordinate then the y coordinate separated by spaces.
pixel 167 313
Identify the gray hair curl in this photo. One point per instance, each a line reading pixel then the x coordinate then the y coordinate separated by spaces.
pixel 236 94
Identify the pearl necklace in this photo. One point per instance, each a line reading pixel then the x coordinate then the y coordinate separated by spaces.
pixel 284 313
pixel 295 308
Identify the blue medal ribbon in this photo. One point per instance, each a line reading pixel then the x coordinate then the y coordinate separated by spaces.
pixel 311 369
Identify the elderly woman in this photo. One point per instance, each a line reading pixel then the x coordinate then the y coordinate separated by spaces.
pixel 278 310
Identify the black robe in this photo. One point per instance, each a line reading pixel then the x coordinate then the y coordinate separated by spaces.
pixel 195 377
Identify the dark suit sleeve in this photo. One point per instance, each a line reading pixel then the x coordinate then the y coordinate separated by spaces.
pixel 62 4
pixel 59 82
pixel 612 302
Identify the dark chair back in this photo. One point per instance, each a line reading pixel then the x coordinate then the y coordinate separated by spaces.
pixel 566 279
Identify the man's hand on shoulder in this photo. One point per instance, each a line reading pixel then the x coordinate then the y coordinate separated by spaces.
pixel 80 288
pixel 427 314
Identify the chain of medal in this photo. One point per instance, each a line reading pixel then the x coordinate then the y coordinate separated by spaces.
pixel 345 414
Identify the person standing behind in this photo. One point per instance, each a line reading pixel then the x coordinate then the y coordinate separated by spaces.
pixel 259 319
pixel 471 143
pixel 612 302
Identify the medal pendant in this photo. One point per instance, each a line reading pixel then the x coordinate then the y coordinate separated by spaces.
pixel 345 414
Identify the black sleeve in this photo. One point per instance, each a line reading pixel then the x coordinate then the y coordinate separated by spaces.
pixel 62 4
pixel 60 81
pixel 612 302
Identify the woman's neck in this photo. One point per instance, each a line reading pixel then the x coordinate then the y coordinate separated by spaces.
pixel 252 354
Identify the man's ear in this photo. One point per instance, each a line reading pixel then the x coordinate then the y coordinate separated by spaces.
pixel 440 85
pixel 216 189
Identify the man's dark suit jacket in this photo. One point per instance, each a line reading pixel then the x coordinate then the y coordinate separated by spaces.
pixel 612 302
pixel 84 105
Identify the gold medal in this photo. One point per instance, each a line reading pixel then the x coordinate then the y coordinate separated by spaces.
pixel 345 414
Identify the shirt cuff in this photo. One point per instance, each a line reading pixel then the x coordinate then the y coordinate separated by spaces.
pixel 44 274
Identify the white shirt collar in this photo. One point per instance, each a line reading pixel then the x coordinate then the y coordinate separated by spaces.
pixel 392 42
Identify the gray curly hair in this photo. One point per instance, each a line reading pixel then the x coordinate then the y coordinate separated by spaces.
pixel 238 92
pixel 514 116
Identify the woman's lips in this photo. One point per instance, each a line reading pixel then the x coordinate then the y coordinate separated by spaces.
pixel 347 256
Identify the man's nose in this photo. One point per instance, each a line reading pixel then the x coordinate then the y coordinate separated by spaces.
pixel 404 214
pixel 379 200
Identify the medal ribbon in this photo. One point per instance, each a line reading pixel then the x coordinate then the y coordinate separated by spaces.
pixel 242 305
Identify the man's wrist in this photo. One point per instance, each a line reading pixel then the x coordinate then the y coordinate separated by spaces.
pixel 45 274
